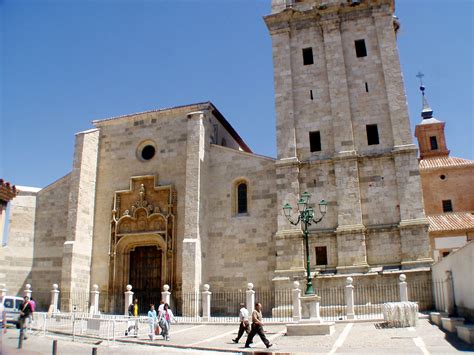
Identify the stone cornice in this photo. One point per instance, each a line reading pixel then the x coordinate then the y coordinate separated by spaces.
pixel 328 16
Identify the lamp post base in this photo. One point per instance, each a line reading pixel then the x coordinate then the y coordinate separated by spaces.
pixel 311 322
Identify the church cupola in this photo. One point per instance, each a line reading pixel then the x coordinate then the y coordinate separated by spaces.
pixel 430 131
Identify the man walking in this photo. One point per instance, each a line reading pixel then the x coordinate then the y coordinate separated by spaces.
pixel 244 323
pixel 257 327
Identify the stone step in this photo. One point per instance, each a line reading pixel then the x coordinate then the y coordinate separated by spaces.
pixel 466 333
pixel 435 317
pixel 450 323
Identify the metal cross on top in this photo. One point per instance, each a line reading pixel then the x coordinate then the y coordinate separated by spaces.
pixel 420 76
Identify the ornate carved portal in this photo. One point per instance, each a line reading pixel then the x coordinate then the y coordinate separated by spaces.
pixel 143 226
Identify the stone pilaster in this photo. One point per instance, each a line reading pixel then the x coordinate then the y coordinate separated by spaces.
pixel 192 261
pixel 77 251
pixel 395 91
pixel 415 249
pixel 338 88
pixel 284 101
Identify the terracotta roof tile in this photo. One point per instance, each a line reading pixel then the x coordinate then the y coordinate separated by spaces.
pixel 452 221
pixel 442 162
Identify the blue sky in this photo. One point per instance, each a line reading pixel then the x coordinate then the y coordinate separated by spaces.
pixel 64 63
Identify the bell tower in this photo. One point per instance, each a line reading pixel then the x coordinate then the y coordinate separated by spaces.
pixel 343 134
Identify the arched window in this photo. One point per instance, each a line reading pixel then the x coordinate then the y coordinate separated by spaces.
pixel 242 197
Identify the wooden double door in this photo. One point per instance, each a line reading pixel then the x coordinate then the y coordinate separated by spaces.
pixel 145 276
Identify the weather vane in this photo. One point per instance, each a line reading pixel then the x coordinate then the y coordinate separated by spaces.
pixel 420 76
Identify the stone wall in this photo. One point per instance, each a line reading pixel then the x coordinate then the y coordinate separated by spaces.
pixel 16 257
pixel 240 247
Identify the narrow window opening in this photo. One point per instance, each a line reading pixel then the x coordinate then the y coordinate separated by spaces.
pixel 321 256
pixel 366 87
pixel 315 141
pixel 372 134
pixel 242 198
pixel 447 206
pixel 361 50
pixel 311 94
pixel 308 56
pixel 434 143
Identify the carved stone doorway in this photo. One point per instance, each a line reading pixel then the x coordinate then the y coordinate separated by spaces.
pixel 143 243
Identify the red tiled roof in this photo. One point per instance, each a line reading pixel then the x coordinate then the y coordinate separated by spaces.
pixel 442 162
pixel 452 221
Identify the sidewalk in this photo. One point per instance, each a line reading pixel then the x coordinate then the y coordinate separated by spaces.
pixel 354 338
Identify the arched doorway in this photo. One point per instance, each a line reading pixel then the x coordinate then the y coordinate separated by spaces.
pixel 142 242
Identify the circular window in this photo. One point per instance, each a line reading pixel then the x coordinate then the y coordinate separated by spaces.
pixel 146 150
pixel 442 177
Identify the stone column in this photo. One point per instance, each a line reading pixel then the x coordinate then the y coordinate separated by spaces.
pixel 349 298
pixel 165 294
pixel 403 288
pixel 449 291
pixel 77 249
pixel 95 299
pixel 296 302
pixel 128 299
pixel 191 250
pixel 28 291
pixel 54 299
pixel 206 304
pixel 250 299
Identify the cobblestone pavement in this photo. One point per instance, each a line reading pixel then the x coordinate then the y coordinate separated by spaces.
pixel 349 338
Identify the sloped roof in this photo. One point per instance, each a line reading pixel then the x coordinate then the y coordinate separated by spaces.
pixel 191 107
pixel 452 221
pixel 443 162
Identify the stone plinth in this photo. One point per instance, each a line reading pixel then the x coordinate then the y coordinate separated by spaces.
pixel 466 333
pixel 311 322
pixel 435 317
pixel 450 323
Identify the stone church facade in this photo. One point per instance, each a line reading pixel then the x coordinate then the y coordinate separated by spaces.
pixel 176 196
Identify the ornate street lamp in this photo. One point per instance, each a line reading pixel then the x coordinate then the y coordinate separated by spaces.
pixel 306 217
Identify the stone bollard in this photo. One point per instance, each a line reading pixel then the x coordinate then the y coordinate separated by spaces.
pixel 350 298
pixel 94 299
pixel 449 291
pixel 250 299
pixel 206 304
pixel 165 294
pixel 54 299
pixel 28 291
pixel 296 302
pixel 3 290
pixel 128 299
pixel 403 288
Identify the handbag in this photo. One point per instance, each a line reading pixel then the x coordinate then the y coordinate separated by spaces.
pixel 157 330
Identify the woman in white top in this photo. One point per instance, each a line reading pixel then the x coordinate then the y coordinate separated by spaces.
pixel 166 316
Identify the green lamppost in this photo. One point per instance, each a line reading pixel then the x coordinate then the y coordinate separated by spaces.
pixel 306 217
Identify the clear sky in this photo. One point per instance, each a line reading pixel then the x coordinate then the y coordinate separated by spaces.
pixel 65 63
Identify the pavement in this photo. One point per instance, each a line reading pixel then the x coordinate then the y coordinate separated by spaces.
pixel 349 338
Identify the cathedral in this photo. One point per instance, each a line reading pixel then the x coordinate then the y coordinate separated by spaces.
pixel 175 196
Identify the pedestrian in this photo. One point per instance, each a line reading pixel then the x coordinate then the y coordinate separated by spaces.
pixel 257 327
pixel 165 321
pixel 152 321
pixel 25 311
pixel 133 312
pixel 135 307
pixel 244 323
pixel 3 316
pixel 30 318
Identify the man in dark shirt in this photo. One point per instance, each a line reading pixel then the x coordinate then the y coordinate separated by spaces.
pixel 25 312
